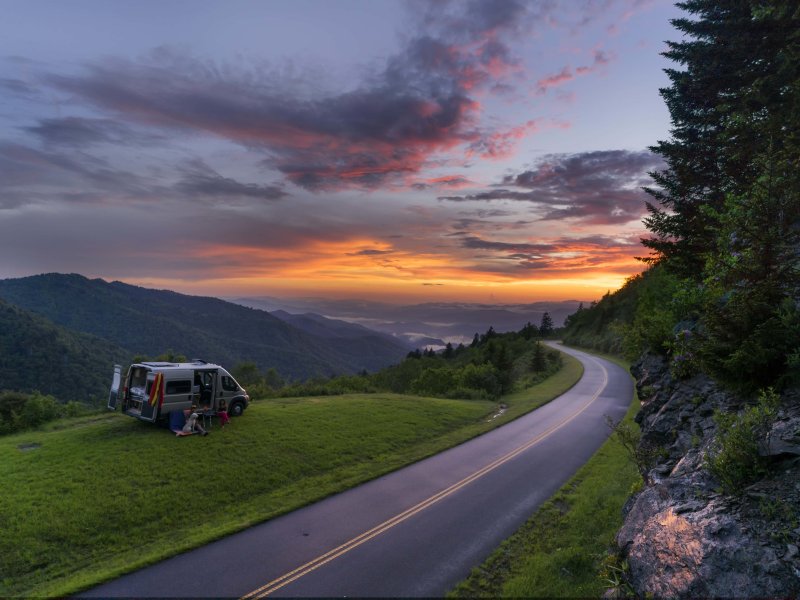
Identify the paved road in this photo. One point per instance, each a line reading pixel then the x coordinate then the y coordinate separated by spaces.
pixel 414 532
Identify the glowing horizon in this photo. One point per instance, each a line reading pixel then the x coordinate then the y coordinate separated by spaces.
pixel 454 150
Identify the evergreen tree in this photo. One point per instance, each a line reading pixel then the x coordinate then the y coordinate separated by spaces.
pixel 529 331
pixel 475 341
pixel 728 218
pixel 752 322
pixel 546 326
pixel 736 97
pixel 448 351
pixel 539 361
pixel 490 333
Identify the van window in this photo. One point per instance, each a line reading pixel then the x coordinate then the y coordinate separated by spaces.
pixel 229 384
pixel 179 386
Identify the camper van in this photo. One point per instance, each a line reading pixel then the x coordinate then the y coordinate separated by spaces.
pixel 152 390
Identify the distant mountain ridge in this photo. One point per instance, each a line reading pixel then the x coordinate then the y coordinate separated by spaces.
pixel 147 321
pixel 427 324
pixel 333 328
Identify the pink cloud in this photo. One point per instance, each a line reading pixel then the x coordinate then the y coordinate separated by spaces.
pixel 502 144
pixel 566 74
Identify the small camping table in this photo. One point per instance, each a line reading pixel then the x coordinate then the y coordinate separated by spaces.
pixel 206 416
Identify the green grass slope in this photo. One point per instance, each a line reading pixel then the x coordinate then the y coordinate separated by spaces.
pixel 99 496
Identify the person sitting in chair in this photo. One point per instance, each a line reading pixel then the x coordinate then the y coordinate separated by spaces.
pixel 192 425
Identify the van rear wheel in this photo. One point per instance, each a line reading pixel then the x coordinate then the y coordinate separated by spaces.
pixel 236 409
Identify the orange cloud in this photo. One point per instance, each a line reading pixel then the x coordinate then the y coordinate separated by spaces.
pixel 465 268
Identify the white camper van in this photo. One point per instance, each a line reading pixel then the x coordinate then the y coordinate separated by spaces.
pixel 152 390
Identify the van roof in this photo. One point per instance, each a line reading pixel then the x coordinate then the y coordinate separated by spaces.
pixel 195 364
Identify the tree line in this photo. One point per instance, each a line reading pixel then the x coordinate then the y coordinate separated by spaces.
pixel 493 364
pixel 722 294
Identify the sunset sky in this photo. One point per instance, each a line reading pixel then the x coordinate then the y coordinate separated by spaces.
pixel 400 151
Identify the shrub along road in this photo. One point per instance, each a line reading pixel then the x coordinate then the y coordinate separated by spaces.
pixel 414 532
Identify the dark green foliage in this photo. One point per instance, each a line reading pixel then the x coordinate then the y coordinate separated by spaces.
pixel 639 316
pixel 751 321
pixel 530 331
pixel 11 405
pixel 484 339
pixel 497 364
pixel 247 373
pixel 736 96
pixel 434 381
pixel 36 355
pixel 735 459
pixel 630 437
pixel 20 411
pixel 546 326
pixel 539 361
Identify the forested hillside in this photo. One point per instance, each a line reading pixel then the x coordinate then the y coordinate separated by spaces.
pixel 151 322
pixel 492 365
pixel 37 355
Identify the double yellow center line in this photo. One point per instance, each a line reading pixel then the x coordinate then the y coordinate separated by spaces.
pixel 312 565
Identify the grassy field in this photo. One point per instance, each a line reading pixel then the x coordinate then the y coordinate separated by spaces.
pixel 89 499
pixel 559 552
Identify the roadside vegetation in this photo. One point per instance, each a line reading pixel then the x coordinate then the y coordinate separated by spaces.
pixel 563 549
pixel 86 499
pixel 20 411
pixel 492 365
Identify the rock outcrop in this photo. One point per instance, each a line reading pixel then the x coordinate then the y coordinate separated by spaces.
pixel 682 537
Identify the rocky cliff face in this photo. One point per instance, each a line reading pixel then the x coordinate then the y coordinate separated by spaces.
pixel 681 536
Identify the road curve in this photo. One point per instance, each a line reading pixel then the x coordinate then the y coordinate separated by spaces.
pixel 415 532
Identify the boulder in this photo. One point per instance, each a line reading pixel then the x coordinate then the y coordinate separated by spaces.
pixel 681 537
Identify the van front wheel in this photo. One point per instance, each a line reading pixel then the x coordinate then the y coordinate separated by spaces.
pixel 236 409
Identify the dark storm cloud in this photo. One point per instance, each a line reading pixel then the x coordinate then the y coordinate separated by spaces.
pixel 387 127
pixel 488 213
pixel 17 86
pixel 25 166
pixel 448 181
pixel 564 254
pixel 481 244
pixel 421 102
pixel 201 180
pixel 467 21
pixel 602 187
pixel 33 176
pixel 76 131
pixel 370 252
pixel 466 224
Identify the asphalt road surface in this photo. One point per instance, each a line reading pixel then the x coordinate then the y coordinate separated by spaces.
pixel 415 532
